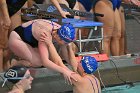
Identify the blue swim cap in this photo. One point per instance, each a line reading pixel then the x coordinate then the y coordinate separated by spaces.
pixel 89 64
pixel 67 33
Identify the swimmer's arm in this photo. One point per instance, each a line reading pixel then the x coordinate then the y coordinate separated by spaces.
pixel 55 56
pixel 63 13
pixel 126 1
pixel 47 39
pixel 4 9
pixel 72 58
pixel 6 23
pixel 64 53
pixel 56 3
pixel 46 62
pixel 16 89
pixel 135 2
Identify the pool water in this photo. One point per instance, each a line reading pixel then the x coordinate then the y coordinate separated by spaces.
pixel 135 88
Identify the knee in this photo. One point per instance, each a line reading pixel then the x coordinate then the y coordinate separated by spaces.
pixel 116 36
pixel 123 35
pixel 108 28
pixel 117 32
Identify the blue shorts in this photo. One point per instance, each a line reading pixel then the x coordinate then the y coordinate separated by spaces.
pixel 116 4
pixel 88 4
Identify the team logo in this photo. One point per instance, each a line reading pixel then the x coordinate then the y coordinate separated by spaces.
pixel 52 8
pixel 87 64
pixel 11 73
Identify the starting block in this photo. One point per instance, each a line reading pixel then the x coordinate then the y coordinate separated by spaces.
pixel 49 11
pixel 78 23
pixel 98 57
pixel 52 9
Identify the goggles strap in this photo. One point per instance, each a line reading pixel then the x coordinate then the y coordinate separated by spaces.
pixel 4 82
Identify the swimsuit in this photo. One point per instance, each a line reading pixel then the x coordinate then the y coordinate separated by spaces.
pixel 116 4
pixel 93 84
pixel 71 3
pixel 89 4
pixel 26 35
pixel 39 1
pixel 14 6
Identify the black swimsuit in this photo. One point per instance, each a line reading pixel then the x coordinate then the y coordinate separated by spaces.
pixel 14 6
pixel 39 1
pixel 71 3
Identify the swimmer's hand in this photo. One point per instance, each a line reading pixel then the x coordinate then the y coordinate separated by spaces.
pixel 68 76
pixel 46 37
pixel 64 14
pixel 25 84
pixel 6 23
pixel 21 86
pixel 135 2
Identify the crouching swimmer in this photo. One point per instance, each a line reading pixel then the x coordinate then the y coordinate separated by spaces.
pixel 87 82
pixel 33 42
pixel 21 78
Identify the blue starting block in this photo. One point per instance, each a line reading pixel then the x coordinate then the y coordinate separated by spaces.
pixel 77 23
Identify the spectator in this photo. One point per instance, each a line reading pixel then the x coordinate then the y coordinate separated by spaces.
pixel 21 78
pixel 113 29
pixel 10 18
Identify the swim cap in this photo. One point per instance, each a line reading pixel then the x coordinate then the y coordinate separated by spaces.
pixel 89 64
pixel 67 33
pixel 15 73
